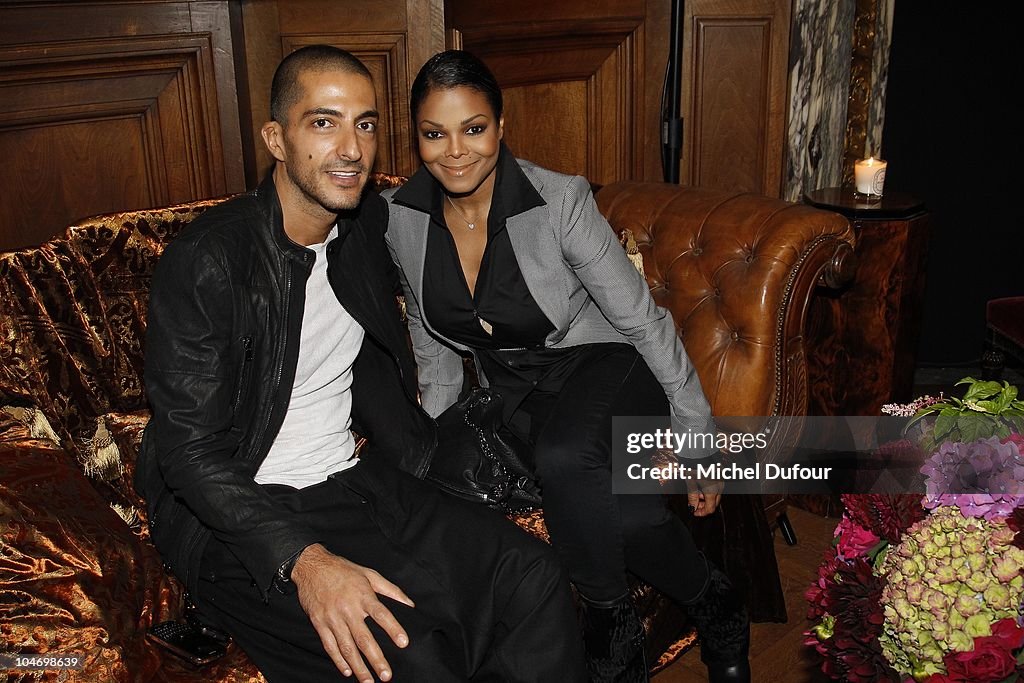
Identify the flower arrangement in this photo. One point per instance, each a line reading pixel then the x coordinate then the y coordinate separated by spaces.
pixel 987 409
pixel 931 589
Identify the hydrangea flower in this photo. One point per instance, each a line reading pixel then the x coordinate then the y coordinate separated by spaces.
pixel 984 478
pixel 948 581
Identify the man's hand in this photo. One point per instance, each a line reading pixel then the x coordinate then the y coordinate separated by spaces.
pixel 338 595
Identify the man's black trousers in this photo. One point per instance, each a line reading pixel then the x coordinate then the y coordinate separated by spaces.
pixel 492 602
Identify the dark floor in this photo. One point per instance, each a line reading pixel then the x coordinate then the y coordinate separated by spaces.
pixel 777 652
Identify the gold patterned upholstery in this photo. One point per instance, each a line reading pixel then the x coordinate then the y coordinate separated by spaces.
pixel 77 573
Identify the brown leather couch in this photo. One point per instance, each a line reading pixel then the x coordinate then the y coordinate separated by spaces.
pixel 77 573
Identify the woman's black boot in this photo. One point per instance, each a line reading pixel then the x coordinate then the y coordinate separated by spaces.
pixel 723 626
pixel 614 640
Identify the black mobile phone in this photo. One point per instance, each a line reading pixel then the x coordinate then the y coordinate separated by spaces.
pixel 186 641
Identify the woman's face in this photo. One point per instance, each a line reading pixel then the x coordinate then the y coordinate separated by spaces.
pixel 459 139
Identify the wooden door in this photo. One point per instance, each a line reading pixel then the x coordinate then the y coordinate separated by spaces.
pixel 574 79
pixel 735 90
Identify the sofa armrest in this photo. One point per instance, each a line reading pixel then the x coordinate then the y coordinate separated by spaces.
pixel 738 272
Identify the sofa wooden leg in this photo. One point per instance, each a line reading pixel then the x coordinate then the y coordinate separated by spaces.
pixel 786 527
pixel 992 361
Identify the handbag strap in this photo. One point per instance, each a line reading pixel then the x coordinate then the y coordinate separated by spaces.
pixel 498 467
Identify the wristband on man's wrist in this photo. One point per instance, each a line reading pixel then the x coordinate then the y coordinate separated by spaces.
pixel 283 577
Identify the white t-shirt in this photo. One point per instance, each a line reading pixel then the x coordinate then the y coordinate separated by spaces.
pixel 315 440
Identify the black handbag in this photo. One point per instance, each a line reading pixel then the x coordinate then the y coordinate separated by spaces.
pixel 476 461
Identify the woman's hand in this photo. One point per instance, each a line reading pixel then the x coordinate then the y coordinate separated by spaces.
pixel 704 496
pixel 338 596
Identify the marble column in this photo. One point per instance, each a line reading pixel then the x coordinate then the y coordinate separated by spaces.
pixel 839 56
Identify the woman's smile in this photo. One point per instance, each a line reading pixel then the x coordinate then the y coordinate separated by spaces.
pixel 460 140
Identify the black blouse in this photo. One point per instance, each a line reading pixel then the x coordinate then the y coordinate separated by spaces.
pixel 502 298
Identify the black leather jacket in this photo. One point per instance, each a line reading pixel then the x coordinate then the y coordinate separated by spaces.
pixel 225 315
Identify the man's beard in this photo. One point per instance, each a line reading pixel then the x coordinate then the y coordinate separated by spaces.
pixel 309 187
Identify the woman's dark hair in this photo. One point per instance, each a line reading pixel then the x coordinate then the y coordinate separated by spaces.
pixel 455 69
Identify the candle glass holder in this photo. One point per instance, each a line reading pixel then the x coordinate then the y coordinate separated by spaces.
pixel 869 178
pixel 867 197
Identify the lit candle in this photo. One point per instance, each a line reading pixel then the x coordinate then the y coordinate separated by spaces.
pixel 870 176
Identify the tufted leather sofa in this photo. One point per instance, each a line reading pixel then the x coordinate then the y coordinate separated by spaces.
pixel 77 573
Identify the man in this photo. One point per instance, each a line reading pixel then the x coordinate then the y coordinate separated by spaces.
pixel 273 329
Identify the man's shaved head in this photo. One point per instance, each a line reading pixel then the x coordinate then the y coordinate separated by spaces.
pixel 286 89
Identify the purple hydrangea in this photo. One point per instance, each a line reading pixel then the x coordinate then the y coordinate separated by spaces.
pixel 984 478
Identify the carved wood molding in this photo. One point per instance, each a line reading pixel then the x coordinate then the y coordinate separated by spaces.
pixel 857 110
pixel 601 55
pixel 385 55
pixel 528 53
pixel 166 84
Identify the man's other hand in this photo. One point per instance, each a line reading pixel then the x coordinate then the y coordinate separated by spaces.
pixel 338 596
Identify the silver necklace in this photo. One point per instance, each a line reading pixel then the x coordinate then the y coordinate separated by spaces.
pixel 471 226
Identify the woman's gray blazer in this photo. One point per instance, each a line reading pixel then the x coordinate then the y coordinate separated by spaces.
pixel 580 277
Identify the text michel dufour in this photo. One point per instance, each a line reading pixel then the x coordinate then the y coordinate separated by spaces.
pixel 696 443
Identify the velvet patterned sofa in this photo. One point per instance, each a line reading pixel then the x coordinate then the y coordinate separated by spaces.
pixel 77 572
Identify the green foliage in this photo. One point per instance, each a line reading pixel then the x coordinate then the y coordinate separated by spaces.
pixel 987 409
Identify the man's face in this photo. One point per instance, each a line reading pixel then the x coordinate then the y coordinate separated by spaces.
pixel 329 141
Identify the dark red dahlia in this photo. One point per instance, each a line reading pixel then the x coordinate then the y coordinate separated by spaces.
pixel 819 593
pixel 850 593
pixel 887 515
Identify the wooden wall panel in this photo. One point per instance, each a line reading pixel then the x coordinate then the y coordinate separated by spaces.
pixel 52 191
pixel 572 77
pixel 730 102
pixel 734 94
pixel 734 81
pixel 392 37
pixel 554 136
pixel 112 106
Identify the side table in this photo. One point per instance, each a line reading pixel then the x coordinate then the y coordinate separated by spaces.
pixel 862 341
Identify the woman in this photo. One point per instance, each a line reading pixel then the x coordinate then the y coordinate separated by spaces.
pixel 514 264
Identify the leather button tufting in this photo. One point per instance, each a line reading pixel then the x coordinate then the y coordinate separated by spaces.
pixel 697 251
pixel 718 292
pixel 750 257
pixel 735 335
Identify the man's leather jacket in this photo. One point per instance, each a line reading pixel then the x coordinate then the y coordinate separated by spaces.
pixel 225 315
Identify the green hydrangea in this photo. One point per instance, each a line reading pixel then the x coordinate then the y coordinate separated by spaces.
pixel 948 581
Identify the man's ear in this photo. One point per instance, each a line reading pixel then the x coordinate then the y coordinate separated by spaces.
pixel 501 126
pixel 273 138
